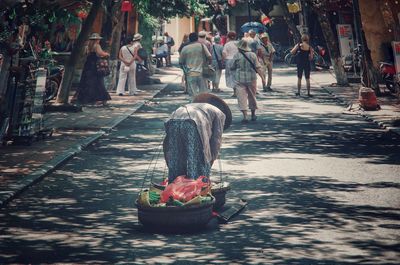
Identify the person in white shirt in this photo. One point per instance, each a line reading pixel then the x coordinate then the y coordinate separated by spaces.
pixel 230 49
pixel 266 55
pixel 127 70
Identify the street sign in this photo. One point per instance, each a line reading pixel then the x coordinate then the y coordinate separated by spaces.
pixel 346 41
pixel 396 54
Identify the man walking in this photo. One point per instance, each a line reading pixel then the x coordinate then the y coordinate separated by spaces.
pixel 192 59
pixel 246 66
pixel 203 40
pixel 266 55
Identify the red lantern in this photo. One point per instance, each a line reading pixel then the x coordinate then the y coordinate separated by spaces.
pixel 232 3
pixel 126 6
pixel 265 20
pixel 82 14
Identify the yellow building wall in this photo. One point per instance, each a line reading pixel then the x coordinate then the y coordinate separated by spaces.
pixel 177 27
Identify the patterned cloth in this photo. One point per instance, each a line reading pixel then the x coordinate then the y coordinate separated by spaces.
pixel 210 125
pixel 229 74
pixel 245 73
pixel 183 150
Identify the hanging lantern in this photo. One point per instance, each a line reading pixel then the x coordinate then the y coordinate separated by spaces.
pixel 293 8
pixel 232 3
pixel 82 14
pixel 265 20
pixel 126 6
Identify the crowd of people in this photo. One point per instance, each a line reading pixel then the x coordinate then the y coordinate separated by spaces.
pixel 243 60
pixel 202 57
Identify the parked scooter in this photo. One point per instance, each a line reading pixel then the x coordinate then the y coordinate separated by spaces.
pixel 53 82
pixel 388 74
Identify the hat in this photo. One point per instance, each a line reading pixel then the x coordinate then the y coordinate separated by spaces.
pixel 216 102
pixel 95 36
pixel 264 35
pixel 243 45
pixel 137 36
pixel 217 39
pixel 202 34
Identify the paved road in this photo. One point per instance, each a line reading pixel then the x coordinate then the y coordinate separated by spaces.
pixel 323 188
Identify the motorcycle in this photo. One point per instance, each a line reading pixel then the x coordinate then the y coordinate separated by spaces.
pixel 388 74
pixel 53 82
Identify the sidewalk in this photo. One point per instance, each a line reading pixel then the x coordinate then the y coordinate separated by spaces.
pixel 21 166
pixel 387 117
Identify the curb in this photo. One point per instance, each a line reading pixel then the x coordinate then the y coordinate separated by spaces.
pixel 50 166
pixel 363 114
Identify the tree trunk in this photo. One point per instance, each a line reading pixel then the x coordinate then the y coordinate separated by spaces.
pixel 63 93
pixel 333 48
pixel 289 21
pixel 117 23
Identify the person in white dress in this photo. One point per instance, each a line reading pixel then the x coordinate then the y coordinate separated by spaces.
pixel 128 56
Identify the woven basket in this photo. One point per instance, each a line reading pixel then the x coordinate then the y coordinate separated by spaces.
pixel 175 218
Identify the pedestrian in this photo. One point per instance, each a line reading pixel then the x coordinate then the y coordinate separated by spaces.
pixel 304 54
pixel 202 39
pixel 185 41
pixel 162 52
pixel 266 55
pixel 246 66
pixel 91 86
pixel 217 63
pixel 230 49
pixel 127 71
pixel 254 41
pixel 192 59
pixel 194 136
pixel 169 41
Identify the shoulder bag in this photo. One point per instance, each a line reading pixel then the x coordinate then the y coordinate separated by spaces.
pixel 251 63
pixel 102 66
pixel 221 64
pixel 208 70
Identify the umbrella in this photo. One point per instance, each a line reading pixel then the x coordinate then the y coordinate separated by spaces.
pixel 256 26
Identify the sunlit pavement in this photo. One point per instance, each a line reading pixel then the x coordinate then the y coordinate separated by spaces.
pixel 323 188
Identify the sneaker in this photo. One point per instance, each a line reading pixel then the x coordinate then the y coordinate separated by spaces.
pixel 254 117
pixel 297 94
pixel 267 89
pixel 245 121
pixel 120 94
pixel 233 96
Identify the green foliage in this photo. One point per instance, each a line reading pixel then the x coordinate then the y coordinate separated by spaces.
pixel 165 9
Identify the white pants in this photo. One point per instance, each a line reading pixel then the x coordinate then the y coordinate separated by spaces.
pixel 131 75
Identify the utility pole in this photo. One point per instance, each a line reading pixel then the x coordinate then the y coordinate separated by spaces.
pixel 248 9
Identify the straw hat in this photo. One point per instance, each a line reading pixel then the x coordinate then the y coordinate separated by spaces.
pixel 216 102
pixel 95 36
pixel 244 45
pixel 264 35
pixel 202 34
pixel 137 37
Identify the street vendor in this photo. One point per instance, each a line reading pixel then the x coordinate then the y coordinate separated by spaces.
pixel 194 135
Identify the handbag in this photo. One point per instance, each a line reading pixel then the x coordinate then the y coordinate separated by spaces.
pixel 208 70
pixel 102 67
pixel 221 64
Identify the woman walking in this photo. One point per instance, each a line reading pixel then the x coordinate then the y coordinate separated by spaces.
pixel 185 41
pixel 216 52
pixel 304 55
pixel 127 70
pixel 91 86
pixel 230 49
